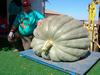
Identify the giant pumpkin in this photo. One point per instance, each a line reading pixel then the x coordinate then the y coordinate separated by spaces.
pixel 60 38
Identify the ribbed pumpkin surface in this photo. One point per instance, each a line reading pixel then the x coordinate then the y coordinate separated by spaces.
pixel 60 38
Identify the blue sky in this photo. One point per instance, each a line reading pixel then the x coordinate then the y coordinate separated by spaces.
pixel 75 8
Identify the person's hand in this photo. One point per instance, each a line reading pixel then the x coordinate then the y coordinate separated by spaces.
pixel 10 36
pixel 40 22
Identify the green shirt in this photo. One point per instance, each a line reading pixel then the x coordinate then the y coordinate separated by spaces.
pixel 29 20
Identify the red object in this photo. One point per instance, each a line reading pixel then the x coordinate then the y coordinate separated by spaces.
pixel 26 3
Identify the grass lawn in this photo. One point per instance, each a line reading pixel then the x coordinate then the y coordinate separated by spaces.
pixel 12 64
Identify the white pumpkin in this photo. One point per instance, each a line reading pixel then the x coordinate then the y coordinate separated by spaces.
pixel 60 38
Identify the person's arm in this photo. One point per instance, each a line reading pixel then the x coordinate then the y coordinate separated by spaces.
pixel 39 18
pixel 39 15
pixel 40 21
pixel 14 28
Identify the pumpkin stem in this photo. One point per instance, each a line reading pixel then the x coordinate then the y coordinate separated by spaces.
pixel 45 49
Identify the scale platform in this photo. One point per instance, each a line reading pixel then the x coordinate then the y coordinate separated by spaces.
pixel 80 67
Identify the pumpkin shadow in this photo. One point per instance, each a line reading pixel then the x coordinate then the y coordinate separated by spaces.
pixel 88 54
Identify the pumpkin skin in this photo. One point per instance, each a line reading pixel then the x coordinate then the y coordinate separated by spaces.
pixel 60 38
